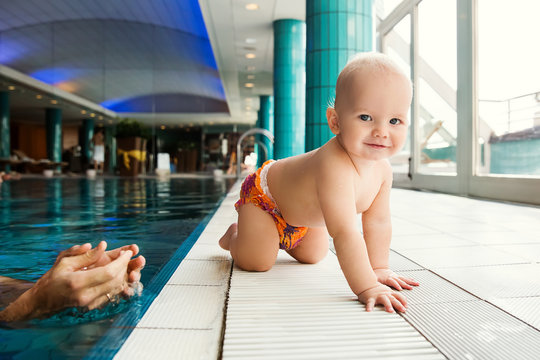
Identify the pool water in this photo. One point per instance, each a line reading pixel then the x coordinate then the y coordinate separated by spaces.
pixel 41 217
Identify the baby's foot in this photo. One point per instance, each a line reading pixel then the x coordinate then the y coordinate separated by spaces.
pixel 226 238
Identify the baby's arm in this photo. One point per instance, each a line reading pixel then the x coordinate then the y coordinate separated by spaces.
pixel 335 191
pixel 377 229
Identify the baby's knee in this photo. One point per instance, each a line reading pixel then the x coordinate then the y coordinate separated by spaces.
pixel 255 267
pixel 312 257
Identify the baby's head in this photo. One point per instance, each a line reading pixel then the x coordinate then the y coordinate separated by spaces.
pixel 370 115
pixel 362 65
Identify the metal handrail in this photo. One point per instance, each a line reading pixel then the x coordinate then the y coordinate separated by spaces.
pixel 239 154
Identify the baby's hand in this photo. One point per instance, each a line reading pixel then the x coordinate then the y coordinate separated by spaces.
pixel 390 278
pixel 382 294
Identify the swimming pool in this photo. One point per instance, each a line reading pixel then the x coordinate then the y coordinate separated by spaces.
pixel 39 218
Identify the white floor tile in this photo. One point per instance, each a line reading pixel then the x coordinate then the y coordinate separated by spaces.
pixel 186 307
pixel 428 241
pixel 460 257
pixel 169 344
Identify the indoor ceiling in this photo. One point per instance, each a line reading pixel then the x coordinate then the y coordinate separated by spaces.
pixel 165 62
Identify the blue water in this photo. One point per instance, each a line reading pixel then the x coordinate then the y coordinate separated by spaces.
pixel 39 218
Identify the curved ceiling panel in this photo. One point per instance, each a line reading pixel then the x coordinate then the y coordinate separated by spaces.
pixel 113 52
pixel 169 103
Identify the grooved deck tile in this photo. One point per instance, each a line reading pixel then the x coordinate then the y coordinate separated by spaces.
pixel 433 289
pixel 475 330
pixel 526 308
pixel 489 282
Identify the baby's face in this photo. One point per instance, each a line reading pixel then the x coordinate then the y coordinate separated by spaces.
pixel 373 120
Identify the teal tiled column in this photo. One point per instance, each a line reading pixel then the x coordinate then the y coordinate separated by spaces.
pixel 266 121
pixel 53 120
pixel 87 133
pixel 336 30
pixel 289 87
pixel 5 147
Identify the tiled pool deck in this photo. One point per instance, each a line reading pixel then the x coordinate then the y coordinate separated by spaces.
pixel 478 263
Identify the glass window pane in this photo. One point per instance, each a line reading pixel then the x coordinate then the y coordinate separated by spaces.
pixel 508 123
pixel 397 45
pixel 436 86
pixel 385 7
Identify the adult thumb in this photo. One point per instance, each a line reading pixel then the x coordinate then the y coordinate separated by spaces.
pixel 88 258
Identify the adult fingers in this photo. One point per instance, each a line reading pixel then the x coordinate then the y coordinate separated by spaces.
pixel 137 264
pixel 86 259
pixel 103 274
pixel 99 282
pixel 73 251
pixel 114 253
pixel 134 268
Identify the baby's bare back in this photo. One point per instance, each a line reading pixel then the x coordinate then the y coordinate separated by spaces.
pixel 293 184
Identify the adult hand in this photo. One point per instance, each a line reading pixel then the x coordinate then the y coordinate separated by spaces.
pixel 66 284
pixel 134 266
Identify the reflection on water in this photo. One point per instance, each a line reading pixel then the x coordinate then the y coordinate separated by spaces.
pixel 39 218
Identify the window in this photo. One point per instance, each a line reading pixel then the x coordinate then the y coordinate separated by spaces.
pixel 508 108
pixel 436 87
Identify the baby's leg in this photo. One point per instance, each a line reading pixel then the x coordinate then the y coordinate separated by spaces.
pixel 313 247
pixel 254 246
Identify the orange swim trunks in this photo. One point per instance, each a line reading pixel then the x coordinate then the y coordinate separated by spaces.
pixel 255 191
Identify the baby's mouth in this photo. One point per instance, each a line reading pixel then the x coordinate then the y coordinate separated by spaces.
pixel 377 146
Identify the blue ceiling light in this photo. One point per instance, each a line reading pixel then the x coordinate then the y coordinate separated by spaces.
pixel 56 75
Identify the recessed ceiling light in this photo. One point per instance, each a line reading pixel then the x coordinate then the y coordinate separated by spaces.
pixel 100 117
pixel 248 85
pixel 54 102
pixel 251 40
pixel 249 100
pixel 92 115
pixel 252 6
pixel 11 87
pixel 250 56
pixel 250 68
pixel 83 112
pixel 248 108
pixel 39 97
pixel 110 121
pixel 162 127
pixel 251 77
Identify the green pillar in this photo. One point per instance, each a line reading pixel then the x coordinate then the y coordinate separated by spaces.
pixel 5 147
pixel 53 120
pixel 289 87
pixel 336 30
pixel 266 121
pixel 87 133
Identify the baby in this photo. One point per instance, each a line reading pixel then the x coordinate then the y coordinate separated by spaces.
pixel 295 203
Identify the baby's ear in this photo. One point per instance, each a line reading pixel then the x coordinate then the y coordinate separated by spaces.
pixel 332 118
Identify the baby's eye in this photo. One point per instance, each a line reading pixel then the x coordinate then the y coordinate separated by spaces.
pixel 395 121
pixel 365 117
